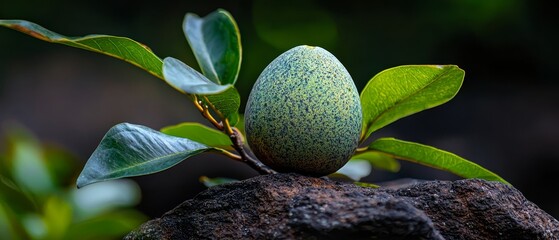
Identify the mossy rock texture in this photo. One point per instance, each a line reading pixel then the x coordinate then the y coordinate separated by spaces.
pixel 303 114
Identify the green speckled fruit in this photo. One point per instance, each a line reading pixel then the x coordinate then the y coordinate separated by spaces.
pixel 303 114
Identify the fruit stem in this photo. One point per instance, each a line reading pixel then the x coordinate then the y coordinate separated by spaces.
pixel 229 154
pixel 363 149
pixel 236 138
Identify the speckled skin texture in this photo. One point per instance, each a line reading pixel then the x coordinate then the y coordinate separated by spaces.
pixel 303 114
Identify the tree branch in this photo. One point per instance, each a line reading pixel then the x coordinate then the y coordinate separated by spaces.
pixel 236 138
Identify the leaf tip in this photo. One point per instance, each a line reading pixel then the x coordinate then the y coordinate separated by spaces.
pixel 85 178
pixel 82 181
pixel 188 17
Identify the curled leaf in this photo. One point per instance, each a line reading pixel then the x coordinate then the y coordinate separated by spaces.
pixel 216 43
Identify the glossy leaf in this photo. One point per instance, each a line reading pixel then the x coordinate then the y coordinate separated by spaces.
pixel 199 133
pixel 355 169
pixel 118 47
pixel 433 157
pixel 210 182
pixel 187 80
pixel 379 160
pixel 216 43
pixel 401 91
pixel 223 99
pixel 179 75
pixel 132 150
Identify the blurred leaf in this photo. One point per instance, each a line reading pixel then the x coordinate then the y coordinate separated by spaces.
pixel 5 228
pixel 34 225
pixel 216 43
pixel 355 169
pixel 433 157
pixel 118 47
pixel 10 227
pixel 52 215
pixel 131 150
pixel 401 91
pixel 210 182
pixel 379 160
pixel 112 225
pixel 199 133
pixel 16 198
pixel 187 80
pixel 104 197
pixel 57 217
pixel 28 165
pixel 62 164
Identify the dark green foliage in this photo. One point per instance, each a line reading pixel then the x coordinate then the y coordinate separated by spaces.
pixel 304 114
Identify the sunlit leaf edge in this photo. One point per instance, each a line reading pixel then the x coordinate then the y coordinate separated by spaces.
pixel 405 150
pixel 39 32
pixel 368 127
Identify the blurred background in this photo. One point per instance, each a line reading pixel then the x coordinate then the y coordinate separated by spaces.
pixel 505 117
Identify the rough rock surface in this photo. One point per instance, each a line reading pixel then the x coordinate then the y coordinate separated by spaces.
pixel 291 206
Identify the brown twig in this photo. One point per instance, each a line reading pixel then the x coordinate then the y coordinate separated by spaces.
pixel 205 111
pixel 236 138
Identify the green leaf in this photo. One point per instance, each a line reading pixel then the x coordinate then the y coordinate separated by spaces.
pixel 210 182
pixel 132 150
pixel 112 225
pixel 355 169
pixel 226 104
pixel 118 47
pixel 241 124
pixel 216 43
pixel 367 185
pixel 379 160
pixel 199 133
pixel 187 80
pixel 433 157
pixel 223 99
pixel 401 91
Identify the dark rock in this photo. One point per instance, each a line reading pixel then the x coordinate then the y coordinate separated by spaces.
pixel 291 206
pixel 478 209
